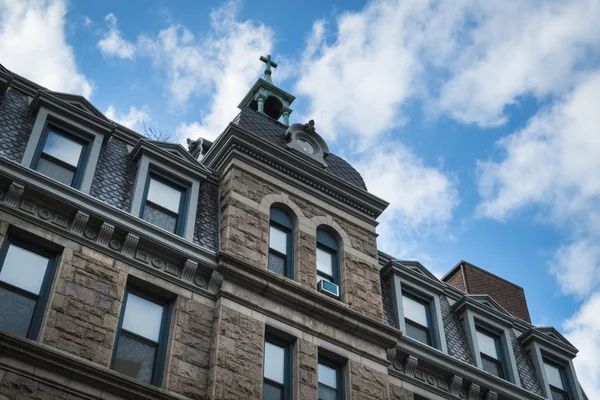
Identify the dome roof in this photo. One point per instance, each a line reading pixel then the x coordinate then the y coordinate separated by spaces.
pixel 274 131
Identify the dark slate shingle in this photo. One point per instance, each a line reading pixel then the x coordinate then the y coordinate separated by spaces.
pixel 274 132
pixel 15 125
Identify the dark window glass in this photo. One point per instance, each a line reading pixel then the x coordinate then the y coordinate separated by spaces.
pixel 327 258
pixel 417 332
pixel 141 338
pixel 276 372
pixel 25 277
pixel 330 380
pixel 490 348
pixel 164 204
pixel 16 312
pixel 56 171
pixel 281 252
pixel 558 394
pixel 61 157
pixel 417 317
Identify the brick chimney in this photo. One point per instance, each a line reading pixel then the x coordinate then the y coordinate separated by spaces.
pixel 474 280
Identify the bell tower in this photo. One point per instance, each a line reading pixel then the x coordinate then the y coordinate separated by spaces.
pixel 266 98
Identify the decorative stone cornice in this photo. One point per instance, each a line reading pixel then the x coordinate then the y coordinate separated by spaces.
pixel 409 271
pixel 306 300
pixel 559 346
pixel 103 227
pixel 433 362
pixel 45 98
pixel 191 168
pixel 236 142
pixel 91 379
pixel 468 302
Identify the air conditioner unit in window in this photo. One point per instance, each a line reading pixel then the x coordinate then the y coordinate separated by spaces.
pixel 328 288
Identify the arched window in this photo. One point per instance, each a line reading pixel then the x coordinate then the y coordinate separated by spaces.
pixel 281 248
pixel 328 267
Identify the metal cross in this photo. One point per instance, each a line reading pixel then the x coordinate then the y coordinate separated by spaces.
pixel 267 60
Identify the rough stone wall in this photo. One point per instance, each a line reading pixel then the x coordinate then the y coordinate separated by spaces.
pixel 366 383
pixel 190 357
pixel 362 286
pixel 236 359
pixel 398 393
pixel 83 313
pixel 245 235
pixel 305 371
pixel 14 386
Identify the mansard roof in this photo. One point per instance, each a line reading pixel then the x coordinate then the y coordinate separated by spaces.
pixel 263 126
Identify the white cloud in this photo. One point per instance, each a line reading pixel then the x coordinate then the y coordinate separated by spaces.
pixel 551 166
pixel 132 120
pixel 33 44
pixel 422 198
pixel 516 48
pixel 221 64
pixel 583 330
pixel 112 44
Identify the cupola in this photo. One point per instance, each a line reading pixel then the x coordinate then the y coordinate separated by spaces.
pixel 266 98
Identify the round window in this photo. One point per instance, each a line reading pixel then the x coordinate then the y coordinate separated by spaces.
pixel 306 146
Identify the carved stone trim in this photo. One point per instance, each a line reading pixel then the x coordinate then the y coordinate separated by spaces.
pixel 491 395
pixel 410 365
pixel 79 222
pixel 473 393
pixel 130 245
pixel 14 193
pixel 106 231
pixel 216 280
pixel 455 384
pixel 390 354
pixel 189 270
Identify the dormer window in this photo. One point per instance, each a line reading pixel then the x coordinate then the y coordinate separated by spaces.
pixel 306 146
pixel 557 380
pixel 490 348
pixel 304 139
pixel 417 316
pixel 61 156
pixel 165 203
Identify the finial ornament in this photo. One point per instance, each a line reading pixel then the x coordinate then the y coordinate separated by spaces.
pixel 270 63
pixel 310 126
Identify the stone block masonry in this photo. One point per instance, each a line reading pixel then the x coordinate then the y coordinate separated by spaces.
pixel 236 360
pixel 305 371
pixel 190 357
pixel 83 312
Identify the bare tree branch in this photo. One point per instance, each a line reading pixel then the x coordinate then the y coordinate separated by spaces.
pixel 156 132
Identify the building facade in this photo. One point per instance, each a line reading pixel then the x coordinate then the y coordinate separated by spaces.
pixel 245 268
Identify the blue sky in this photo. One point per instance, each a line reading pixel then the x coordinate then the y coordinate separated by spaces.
pixel 477 121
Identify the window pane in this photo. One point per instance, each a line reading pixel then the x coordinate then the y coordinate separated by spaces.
pixel 64 149
pixel 327 393
pixel 553 375
pixel 271 392
pixel 324 262
pixel 157 217
pixel 134 358
pixel 414 311
pixel 487 345
pixel 492 366
pixel 274 362
pixel 55 171
pixel 278 240
pixel 16 312
pixel 24 269
pixel 558 395
pixel 327 376
pixel 417 333
pixel 276 264
pixel 164 195
pixel 142 317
